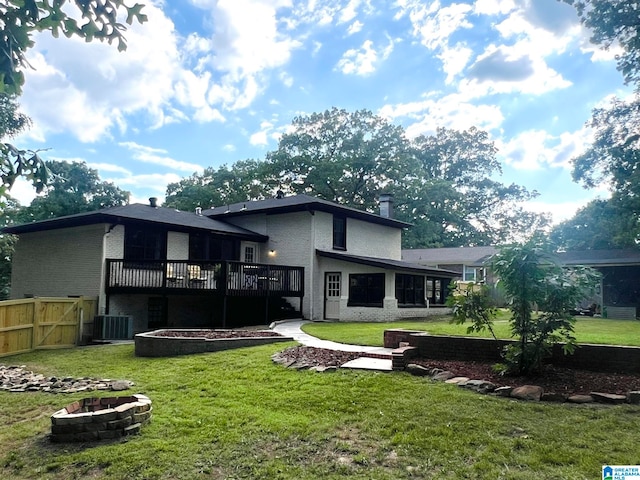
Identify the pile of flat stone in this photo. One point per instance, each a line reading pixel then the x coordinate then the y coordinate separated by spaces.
pixel 524 392
pixel 17 379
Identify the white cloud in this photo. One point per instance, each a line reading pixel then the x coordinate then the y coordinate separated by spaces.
pixel 559 211
pixel 451 111
pixel 363 61
pixel 434 24
pixel 509 69
pixel 109 167
pixel 157 157
pixel 454 60
pixel 355 27
pixel 88 89
pixel 493 7
pixel 538 149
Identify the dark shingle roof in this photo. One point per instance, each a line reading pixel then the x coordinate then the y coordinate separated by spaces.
pixel 297 203
pixel 449 256
pixel 601 257
pixel 173 219
pixel 387 264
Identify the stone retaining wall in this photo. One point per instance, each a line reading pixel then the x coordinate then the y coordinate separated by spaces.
pixel 150 344
pixel 92 419
pixel 599 358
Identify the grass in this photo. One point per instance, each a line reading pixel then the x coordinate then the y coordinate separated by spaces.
pixel 587 330
pixel 237 415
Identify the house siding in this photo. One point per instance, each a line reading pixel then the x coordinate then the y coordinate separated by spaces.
pixel 59 263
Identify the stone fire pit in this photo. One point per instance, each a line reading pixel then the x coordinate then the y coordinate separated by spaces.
pixel 92 419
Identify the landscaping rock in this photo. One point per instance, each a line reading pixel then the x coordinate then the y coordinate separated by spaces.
pixel 17 379
pixel 503 391
pixel 417 370
pixel 457 380
pixel 610 398
pixel 120 385
pixel 480 386
pixel 580 399
pixel 442 376
pixel 528 392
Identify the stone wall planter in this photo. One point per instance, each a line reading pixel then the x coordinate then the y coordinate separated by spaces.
pixel 155 344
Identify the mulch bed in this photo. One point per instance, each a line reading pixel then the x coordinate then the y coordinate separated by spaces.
pixel 552 379
pixel 217 334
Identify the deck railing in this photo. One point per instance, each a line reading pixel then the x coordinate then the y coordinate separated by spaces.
pixel 225 277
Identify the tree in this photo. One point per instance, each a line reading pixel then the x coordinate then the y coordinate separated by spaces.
pixel 453 197
pixel 226 185
pixel 340 156
pixel 601 224
pixel 533 280
pixel 74 188
pixel 15 162
pixel 19 19
pixel 614 22
pixel 442 184
pixel 612 159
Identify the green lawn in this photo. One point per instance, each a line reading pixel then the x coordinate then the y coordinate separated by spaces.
pixel 587 330
pixel 237 415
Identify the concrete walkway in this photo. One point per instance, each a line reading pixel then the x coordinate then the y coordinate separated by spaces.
pixel 292 328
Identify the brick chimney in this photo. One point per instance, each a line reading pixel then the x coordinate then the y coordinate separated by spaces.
pixel 386 205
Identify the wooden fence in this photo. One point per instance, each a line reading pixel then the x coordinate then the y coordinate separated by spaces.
pixel 39 323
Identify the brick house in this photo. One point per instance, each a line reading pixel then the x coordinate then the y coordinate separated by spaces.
pixel 238 264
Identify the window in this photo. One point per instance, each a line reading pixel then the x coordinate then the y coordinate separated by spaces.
pixel 437 290
pixel 250 254
pixel 144 244
pixel 410 290
pixel 366 290
pixel 204 246
pixel 339 232
pixel 469 274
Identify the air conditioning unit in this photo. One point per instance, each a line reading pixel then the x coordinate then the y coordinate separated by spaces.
pixel 112 327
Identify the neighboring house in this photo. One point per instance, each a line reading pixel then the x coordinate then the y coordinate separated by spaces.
pixel 468 262
pixel 230 265
pixel 618 295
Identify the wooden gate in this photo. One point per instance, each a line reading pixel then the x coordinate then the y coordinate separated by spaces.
pixel 38 323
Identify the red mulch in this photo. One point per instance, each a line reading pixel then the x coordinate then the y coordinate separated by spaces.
pixel 552 379
pixel 217 334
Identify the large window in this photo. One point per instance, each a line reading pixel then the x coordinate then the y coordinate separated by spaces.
pixel 339 232
pixel 366 290
pixel 410 290
pixel 144 244
pixel 205 246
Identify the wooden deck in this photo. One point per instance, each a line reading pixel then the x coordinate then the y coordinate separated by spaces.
pixel 227 278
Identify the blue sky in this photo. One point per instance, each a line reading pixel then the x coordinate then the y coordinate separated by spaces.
pixel 209 82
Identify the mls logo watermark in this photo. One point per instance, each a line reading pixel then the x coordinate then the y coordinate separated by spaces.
pixel 621 472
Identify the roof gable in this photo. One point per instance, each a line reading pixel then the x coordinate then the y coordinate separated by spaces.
pixel 297 203
pixel 139 213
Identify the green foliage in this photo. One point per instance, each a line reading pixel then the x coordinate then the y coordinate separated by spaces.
pixel 533 280
pixel 21 18
pixel 601 224
pixel 473 304
pixel 16 162
pixel 74 188
pixel 613 23
pixel 223 186
pixel 443 184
